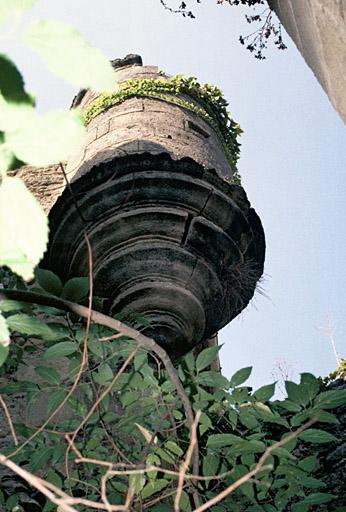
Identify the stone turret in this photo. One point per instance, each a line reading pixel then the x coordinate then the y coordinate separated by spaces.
pixel 174 238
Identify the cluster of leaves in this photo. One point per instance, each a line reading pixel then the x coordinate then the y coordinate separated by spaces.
pixel 257 41
pixel 33 138
pixel 140 428
pixel 212 106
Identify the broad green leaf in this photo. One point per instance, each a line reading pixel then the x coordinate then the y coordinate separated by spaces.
pixel 78 406
pixel 48 138
pixel 174 448
pixel 54 400
pixel 326 417
pixel 6 159
pixel 7 306
pixel 104 375
pixel 314 435
pixel 184 504
pixel 283 453
pixel 331 399
pixel 4 332
pixel 3 354
pixel 76 289
pixel 240 376
pixel 221 440
pixel 264 393
pixel 49 281
pixel 50 375
pixel 10 7
pixel 247 419
pixel 29 325
pixel 210 465
pixel 42 457
pixel 289 405
pixel 309 463
pixel 311 482
pixel 14 115
pixel 206 357
pixel 153 487
pixel 23 228
pixel 311 384
pixel 65 348
pixel 138 482
pixel 212 379
pixel 11 82
pixel 313 499
pixel 67 54
pixel 129 397
pixel 296 393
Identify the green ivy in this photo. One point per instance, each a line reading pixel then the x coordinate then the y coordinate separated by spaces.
pixel 212 106
pixel 143 421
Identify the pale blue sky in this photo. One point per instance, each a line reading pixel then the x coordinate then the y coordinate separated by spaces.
pixel 293 164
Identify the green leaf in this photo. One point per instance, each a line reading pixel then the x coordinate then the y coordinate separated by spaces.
pixel 6 159
pixel 4 332
pixel 326 417
pixel 10 7
pixel 76 289
pixel 174 448
pixel 11 82
pixel 221 440
pixel 331 399
pixel 104 375
pixel 129 397
pixel 311 482
pixel 206 357
pixel 309 463
pixel 313 499
pixel 138 482
pixel 314 435
pixel 23 228
pixel 3 354
pixel 29 325
pixel 46 139
pixel 67 54
pixel 212 379
pixel 50 375
pixel 296 393
pixel 247 419
pixel 78 406
pixel 7 306
pixel 65 348
pixel 184 504
pixel 41 458
pixel 210 465
pixel 311 384
pixel 54 400
pixel 289 405
pixel 153 487
pixel 49 281
pixel 240 376
pixel 264 393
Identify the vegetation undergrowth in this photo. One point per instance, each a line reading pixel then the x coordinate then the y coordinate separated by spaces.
pixel 137 436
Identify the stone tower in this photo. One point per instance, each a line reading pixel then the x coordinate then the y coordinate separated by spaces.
pixel 174 238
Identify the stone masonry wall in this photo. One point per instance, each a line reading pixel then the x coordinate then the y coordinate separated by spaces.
pixel 318 28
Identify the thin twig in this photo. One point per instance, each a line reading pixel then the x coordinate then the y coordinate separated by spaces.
pixel 186 462
pixel 9 420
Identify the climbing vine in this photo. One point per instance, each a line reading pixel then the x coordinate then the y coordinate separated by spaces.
pixel 212 106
